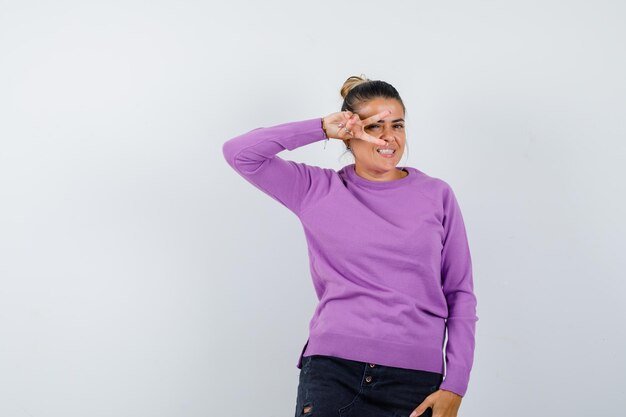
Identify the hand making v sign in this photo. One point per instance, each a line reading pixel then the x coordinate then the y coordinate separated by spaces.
pixel 348 125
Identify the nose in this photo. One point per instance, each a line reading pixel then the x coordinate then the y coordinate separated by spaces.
pixel 387 134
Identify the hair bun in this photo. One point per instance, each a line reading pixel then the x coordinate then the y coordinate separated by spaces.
pixel 352 82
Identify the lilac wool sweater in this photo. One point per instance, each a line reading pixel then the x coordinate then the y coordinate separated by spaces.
pixel 389 260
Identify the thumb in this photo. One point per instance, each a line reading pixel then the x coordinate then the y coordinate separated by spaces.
pixel 421 409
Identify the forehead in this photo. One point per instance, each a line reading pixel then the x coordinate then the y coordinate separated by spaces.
pixel 378 105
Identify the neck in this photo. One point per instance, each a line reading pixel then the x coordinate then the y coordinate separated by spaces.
pixel 393 174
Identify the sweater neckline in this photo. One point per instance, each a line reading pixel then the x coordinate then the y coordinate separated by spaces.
pixel 356 178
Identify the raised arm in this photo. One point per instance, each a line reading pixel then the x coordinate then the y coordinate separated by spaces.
pixel 253 156
pixel 293 184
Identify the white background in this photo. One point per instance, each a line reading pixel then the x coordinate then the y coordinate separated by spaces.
pixel 141 276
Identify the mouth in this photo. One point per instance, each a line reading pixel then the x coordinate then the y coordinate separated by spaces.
pixel 386 152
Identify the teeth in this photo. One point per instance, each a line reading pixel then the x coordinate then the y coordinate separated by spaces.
pixel 385 151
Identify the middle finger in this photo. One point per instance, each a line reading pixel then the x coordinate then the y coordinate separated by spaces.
pixel 376 117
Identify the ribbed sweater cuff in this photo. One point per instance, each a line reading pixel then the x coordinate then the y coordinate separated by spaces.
pixel 456 380
pixel 304 132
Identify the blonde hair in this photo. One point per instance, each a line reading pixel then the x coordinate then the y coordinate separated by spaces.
pixel 352 82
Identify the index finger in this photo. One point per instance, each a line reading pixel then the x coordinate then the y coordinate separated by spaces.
pixel 376 117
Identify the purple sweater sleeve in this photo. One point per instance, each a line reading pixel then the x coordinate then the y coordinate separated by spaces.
pixel 457 285
pixel 253 156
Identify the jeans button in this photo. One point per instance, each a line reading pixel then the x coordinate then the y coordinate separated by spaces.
pixel 368 378
pixel 372 365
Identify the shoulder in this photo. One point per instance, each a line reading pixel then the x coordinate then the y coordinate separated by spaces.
pixel 321 178
pixel 434 187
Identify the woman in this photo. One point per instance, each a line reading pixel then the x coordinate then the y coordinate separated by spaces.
pixel 389 260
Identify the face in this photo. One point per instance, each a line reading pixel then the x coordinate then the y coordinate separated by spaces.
pixel 369 162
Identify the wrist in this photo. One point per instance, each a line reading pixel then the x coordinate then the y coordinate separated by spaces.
pixel 324 128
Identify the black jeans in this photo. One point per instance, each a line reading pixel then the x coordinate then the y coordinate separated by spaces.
pixel 337 387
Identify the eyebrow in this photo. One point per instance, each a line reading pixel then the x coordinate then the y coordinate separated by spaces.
pixel 393 121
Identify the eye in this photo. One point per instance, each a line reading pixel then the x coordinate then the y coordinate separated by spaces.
pixel 372 126
pixel 399 126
